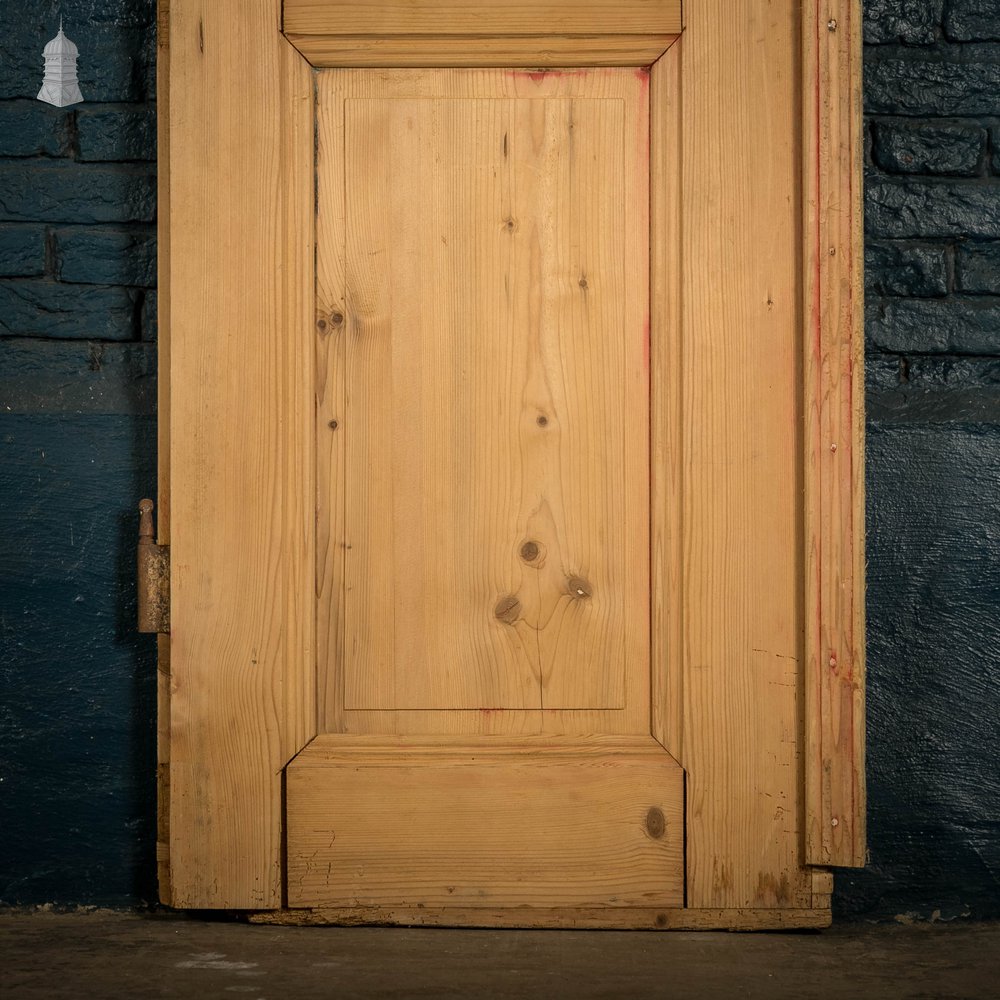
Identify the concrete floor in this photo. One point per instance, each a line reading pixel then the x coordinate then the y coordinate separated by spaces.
pixel 109 955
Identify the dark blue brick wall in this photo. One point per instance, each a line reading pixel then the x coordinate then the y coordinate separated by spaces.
pixel 932 101
pixel 77 449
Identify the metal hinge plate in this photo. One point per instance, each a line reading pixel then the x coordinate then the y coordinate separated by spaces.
pixel 153 579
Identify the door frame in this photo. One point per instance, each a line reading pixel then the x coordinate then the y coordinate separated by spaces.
pixel 757 438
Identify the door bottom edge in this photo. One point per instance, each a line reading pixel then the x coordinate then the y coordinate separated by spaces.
pixel 666 918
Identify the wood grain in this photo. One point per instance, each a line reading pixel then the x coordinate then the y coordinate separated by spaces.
pixel 834 443
pixel 658 918
pixel 666 467
pixel 517 277
pixel 742 454
pixel 239 283
pixel 481 17
pixel 470 826
pixel 479 50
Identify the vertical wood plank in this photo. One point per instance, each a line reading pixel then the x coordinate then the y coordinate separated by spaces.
pixel 742 443
pixel 666 401
pixel 834 444
pixel 239 282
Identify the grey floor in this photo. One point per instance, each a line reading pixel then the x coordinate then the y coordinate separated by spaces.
pixel 106 954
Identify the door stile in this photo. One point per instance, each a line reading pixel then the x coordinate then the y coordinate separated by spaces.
pixel 238 472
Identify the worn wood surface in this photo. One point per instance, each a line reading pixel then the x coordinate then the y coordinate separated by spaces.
pixel 834 442
pixel 741 469
pixel 481 17
pixel 493 50
pixel 466 502
pixel 666 468
pixel 447 824
pixel 239 366
pixel 660 918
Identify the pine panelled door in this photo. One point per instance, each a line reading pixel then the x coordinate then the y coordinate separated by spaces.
pixel 510 461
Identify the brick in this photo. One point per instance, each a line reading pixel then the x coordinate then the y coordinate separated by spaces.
pixel 935 372
pixel 59 376
pixel 117 54
pixel 977 268
pixel 932 88
pixel 915 22
pixel 117 133
pixel 31 308
pixel 928 147
pixel 32 128
pixel 56 191
pixel 934 326
pixel 882 372
pixel 972 20
pixel 895 269
pixel 100 256
pixel 149 316
pixel 22 251
pixel 911 209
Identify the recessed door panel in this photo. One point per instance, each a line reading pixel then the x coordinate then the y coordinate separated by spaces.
pixel 490 520
pixel 483 595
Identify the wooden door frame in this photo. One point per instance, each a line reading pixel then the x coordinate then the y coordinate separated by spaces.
pixel 756 356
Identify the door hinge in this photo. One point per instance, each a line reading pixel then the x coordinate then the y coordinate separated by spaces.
pixel 153 569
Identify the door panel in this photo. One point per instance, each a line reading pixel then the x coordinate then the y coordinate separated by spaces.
pixel 483 401
pixel 515 823
pixel 483 451
pixel 488 550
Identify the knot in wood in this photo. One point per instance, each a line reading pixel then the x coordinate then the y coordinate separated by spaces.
pixel 507 609
pixel 579 588
pixel 656 824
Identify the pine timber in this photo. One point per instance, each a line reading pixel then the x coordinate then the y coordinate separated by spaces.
pixel 756 346
pixel 834 438
pixel 241 508
pixel 666 416
pixel 531 823
pixel 481 32
pixel 481 17
pixel 325 51
pixel 741 466
pixel 523 294
pixel 652 918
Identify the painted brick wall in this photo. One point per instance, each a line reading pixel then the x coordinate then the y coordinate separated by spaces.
pixel 77 450
pixel 77 434
pixel 932 103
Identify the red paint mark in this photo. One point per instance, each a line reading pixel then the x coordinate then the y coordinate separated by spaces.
pixel 642 75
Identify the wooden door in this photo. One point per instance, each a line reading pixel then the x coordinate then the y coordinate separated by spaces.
pixel 510 460
pixel 483 597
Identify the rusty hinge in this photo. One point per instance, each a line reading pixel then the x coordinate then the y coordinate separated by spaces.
pixel 153 567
